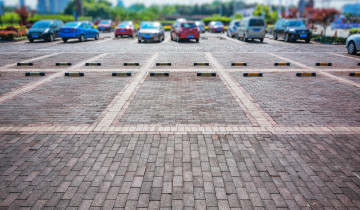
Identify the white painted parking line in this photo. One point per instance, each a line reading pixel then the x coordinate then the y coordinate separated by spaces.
pixel 344 56
pixel 252 110
pixel 121 101
pixel 30 60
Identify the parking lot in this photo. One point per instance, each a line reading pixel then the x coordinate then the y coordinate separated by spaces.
pixel 179 140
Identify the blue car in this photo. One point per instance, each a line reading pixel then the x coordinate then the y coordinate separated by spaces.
pixel 81 30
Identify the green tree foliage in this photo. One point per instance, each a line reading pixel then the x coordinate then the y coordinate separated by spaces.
pixel 270 17
pixel 11 18
pixel 223 19
pixel 93 8
pixel 237 16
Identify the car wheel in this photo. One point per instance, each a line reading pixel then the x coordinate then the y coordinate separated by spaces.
pixel 275 36
pixel 261 40
pixel 287 38
pixel 82 38
pixel 51 38
pixel 139 41
pixel 31 40
pixel 352 48
pixel 197 40
pixel 244 38
pixel 177 38
pixel 307 40
pixel 65 40
pixel 97 37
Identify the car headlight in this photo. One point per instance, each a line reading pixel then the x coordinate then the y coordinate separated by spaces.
pixel 46 31
pixel 292 30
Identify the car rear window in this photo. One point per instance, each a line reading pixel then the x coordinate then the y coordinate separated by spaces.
pixel 218 23
pixel 188 25
pixel 41 25
pixel 105 22
pixel 237 23
pixel 71 24
pixel 257 22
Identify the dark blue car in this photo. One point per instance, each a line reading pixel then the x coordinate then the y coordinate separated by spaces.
pixel 81 30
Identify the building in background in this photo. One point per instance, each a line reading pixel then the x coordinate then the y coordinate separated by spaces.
pixel 22 3
pixel 120 3
pixel 51 6
pixel 352 9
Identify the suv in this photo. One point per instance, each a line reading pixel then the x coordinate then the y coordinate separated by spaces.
pixel 291 30
pixel 47 30
pixel 232 28
pixel 252 28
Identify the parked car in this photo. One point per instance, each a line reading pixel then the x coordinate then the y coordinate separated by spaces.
pixel 47 30
pixel 185 31
pixel 353 44
pixel 105 25
pixel 81 30
pixel 216 27
pixel 151 31
pixel 251 28
pixel 142 23
pixel 201 26
pixel 125 28
pixel 232 28
pixel 291 30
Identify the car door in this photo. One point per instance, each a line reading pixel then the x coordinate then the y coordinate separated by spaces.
pixel 173 30
pixel 55 28
pixel 282 27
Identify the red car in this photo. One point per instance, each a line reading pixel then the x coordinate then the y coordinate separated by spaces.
pixel 185 31
pixel 105 25
pixel 216 27
pixel 125 28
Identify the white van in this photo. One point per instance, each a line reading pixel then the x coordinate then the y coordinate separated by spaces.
pixel 252 28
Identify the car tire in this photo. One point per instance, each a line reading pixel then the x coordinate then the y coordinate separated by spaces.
pixel 139 41
pixel 82 38
pixel 31 40
pixel 65 40
pixel 352 48
pixel 197 40
pixel 51 38
pixel 237 36
pixel 261 40
pixel 286 37
pixel 275 36
pixel 97 37
pixel 307 40
pixel 244 38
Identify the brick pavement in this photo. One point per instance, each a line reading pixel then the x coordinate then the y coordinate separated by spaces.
pixel 252 151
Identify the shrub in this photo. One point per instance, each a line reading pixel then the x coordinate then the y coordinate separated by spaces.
pixel 328 39
pixel 11 32
pixel 354 31
pixel 225 20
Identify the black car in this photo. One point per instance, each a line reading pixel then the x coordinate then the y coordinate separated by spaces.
pixel 291 30
pixel 47 30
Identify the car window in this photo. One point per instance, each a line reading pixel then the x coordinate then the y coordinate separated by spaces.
pixel 256 22
pixel 295 24
pixel 41 25
pixel 71 24
pixel 188 25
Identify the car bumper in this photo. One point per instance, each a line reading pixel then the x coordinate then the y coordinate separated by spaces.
pixel 69 35
pixel 150 38
pixel 189 36
pixel 38 36
pixel 299 36
pixel 119 33
pixel 218 30
pixel 104 28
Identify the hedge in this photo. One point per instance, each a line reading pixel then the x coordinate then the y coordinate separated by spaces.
pixel 224 20
pixel 328 39
pixel 354 31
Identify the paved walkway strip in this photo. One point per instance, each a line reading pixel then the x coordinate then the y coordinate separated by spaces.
pixel 116 106
pixel 251 108
pixel 30 60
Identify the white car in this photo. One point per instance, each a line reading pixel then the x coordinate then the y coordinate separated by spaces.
pixel 353 44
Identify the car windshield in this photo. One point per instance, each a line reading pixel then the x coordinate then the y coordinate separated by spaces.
pixel 237 23
pixel 257 22
pixel 124 24
pixel 295 24
pixel 217 23
pixel 41 25
pixel 105 22
pixel 150 26
pixel 188 25
pixel 71 24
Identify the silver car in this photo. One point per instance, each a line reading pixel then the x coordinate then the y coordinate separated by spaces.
pixel 353 44
pixel 252 28
pixel 151 31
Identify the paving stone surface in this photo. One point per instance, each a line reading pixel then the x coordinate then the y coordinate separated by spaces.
pixel 184 98
pixel 65 100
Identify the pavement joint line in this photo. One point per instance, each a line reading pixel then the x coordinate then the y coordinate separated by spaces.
pixel 30 60
pixel 344 56
pixel 291 61
pixel 251 107
pixel 324 73
pixel 160 129
pixel 33 85
pixel 167 39
pixel 119 102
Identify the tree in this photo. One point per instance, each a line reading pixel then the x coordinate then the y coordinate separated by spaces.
pixel 261 10
pixel 322 16
pixel 24 14
pixel 237 16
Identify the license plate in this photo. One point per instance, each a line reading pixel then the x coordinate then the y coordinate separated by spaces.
pixel 122 30
pixel 219 29
pixel 256 30
pixel 190 36
pixel 147 37
pixel 303 36
pixel 35 36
